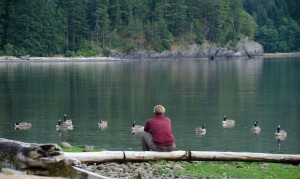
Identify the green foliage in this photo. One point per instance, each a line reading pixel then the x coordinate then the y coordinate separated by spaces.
pixel 106 52
pixel 18 52
pixel 276 31
pixel 9 49
pixel 2 13
pixel 162 38
pixel 70 54
pixel 44 28
pixel 248 26
pixel 87 49
pixel 200 38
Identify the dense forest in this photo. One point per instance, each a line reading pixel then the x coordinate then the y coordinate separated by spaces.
pixel 90 27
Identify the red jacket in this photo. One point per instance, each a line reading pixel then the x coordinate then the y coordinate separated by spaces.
pixel 160 128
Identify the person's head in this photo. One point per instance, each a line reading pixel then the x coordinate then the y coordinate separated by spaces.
pixel 159 109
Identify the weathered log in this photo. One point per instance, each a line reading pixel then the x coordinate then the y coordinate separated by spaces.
pixel 245 157
pixel 44 159
pixel 119 156
pixel 112 156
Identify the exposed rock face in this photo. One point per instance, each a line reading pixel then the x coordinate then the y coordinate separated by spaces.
pixel 249 48
pixel 244 48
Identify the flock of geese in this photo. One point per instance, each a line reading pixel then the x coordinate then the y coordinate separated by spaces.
pixel 67 124
pixel 255 129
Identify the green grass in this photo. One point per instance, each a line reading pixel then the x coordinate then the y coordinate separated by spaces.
pixel 209 169
pixel 80 149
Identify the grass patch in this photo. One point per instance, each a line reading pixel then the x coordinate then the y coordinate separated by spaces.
pixel 210 169
pixel 80 149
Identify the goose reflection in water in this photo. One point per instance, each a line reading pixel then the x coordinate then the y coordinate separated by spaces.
pixel 138 133
pixel 62 135
pixel 279 142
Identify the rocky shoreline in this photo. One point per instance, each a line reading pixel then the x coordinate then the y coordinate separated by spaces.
pixel 166 170
pixel 244 48
pixel 120 58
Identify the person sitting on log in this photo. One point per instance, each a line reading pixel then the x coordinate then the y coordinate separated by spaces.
pixel 157 134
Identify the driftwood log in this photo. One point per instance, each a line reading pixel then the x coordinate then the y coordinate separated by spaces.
pixel 43 159
pixel 119 156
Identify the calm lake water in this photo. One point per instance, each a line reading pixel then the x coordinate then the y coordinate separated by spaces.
pixel 193 91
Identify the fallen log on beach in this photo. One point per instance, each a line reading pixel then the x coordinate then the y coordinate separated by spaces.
pixel 42 159
pixel 123 156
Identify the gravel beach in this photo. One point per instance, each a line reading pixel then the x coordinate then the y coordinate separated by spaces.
pixel 142 170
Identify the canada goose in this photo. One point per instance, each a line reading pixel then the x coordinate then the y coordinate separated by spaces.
pixel 136 128
pixel 255 128
pixel 102 124
pixel 280 134
pixel 201 130
pixel 67 121
pixel 228 123
pixel 63 126
pixel 22 125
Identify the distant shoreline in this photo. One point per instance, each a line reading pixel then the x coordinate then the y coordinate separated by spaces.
pixel 96 59
pixel 295 54
pixel 56 59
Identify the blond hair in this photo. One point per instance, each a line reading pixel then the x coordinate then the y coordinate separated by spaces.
pixel 159 109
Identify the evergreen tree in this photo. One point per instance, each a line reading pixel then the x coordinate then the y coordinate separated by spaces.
pixel 248 25
pixel 76 23
pixel 100 23
pixel 216 18
pixel 2 17
pixel 235 16
pixel 293 8
pixel 162 39
pixel 135 30
pixel 175 15
pixel 115 14
pixel 55 27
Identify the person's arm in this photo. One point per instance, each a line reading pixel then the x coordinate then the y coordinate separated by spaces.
pixel 146 127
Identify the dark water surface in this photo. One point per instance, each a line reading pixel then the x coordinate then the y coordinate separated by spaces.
pixel 193 91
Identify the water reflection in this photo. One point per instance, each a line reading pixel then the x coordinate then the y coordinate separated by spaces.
pixel 63 135
pixel 193 91
pixel 201 134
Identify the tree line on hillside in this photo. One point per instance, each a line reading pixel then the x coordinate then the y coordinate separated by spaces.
pixel 90 27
